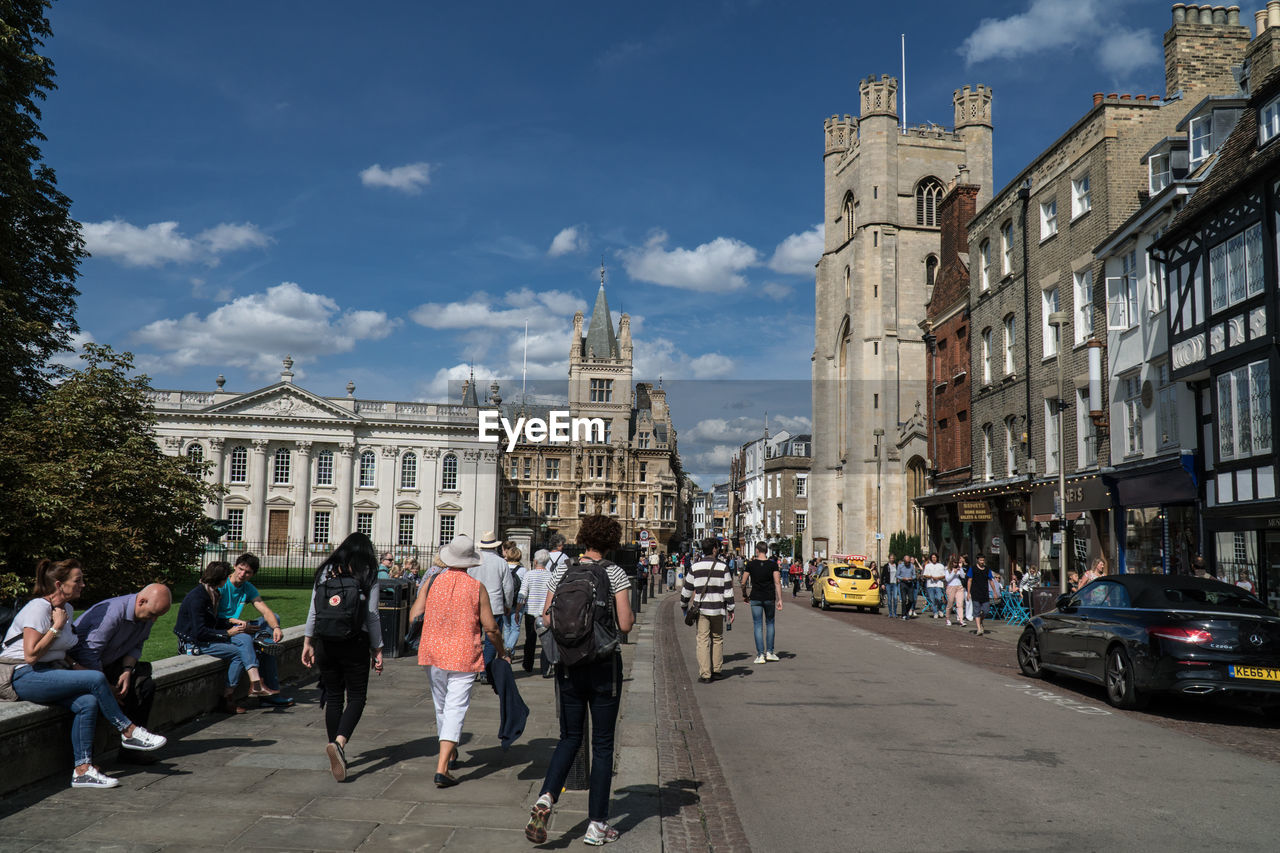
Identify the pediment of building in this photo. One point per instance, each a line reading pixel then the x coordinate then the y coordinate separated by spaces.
pixel 366 504
pixel 279 501
pixel 283 400
pixel 448 506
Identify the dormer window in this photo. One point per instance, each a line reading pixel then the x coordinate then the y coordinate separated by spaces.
pixel 1269 121
pixel 1200 132
pixel 1160 172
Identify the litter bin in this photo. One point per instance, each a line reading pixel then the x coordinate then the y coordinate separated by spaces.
pixel 393 612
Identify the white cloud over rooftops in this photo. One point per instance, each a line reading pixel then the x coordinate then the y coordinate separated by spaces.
pixel 571 240
pixel 798 254
pixel 163 243
pixel 409 178
pixel 714 267
pixel 481 312
pixel 1048 25
pixel 257 330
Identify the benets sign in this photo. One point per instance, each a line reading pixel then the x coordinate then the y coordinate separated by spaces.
pixel 975 511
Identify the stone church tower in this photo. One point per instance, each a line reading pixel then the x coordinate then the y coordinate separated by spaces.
pixel 883 187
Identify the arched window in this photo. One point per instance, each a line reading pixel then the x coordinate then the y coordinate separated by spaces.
pixel 280 467
pixel 848 282
pixel 847 213
pixel 930 270
pixel 988 464
pixel 917 477
pixel 324 468
pixel 449 473
pixel 842 397
pixel 1010 446
pixel 368 469
pixel 239 468
pixel 928 194
pixel 409 471
pixel 195 452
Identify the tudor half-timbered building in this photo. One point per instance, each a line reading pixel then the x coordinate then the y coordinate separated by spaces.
pixel 1224 314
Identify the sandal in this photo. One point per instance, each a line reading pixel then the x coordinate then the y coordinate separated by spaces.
pixel 263 690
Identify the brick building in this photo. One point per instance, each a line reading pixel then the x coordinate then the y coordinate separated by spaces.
pixel 786 488
pixel 1032 256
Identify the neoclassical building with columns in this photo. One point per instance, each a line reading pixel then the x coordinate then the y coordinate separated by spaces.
pixel 304 471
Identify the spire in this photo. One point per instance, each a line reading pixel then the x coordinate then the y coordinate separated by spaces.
pixel 469 397
pixel 601 341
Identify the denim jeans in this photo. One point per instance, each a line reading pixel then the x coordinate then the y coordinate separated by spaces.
pixel 595 688
pixel 240 654
pixel 937 597
pixel 761 616
pixel 510 624
pixel 891 598
pixel 84 692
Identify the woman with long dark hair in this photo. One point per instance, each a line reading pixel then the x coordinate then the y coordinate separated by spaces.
pixel 344 637
pixel 37 641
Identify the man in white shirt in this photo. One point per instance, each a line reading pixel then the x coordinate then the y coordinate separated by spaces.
pixel 496 577
pixel 935 585
pixel 557 559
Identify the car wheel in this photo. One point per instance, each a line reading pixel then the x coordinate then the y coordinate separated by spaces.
pixel 876 611
pixel 1121 690
pixel 1029 654
pixel 813 602
pixel 822 603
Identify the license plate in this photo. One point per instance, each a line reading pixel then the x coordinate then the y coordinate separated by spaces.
pixel 1254 672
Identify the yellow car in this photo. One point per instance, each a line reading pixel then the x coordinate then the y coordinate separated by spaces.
pixel 848 584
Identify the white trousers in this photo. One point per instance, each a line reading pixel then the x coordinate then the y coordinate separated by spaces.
pixel 451 692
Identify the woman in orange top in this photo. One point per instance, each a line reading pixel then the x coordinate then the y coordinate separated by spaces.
pixel 454 607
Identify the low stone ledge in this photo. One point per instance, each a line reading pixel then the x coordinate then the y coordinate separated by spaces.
pixel 35 740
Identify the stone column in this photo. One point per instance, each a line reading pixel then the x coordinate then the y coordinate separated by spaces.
pixel 429 481
pixel 255 527
pixel 387 495
pixel 302 489
pixel 344 484
pixel 219 474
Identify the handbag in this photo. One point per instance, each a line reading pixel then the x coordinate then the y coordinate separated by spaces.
pixel 413 638
pixel 7 693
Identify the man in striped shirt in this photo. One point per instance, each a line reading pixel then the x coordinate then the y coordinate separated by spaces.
pixel 709 584
pixel 533 600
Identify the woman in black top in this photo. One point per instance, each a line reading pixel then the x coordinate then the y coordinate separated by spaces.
pixel 765 581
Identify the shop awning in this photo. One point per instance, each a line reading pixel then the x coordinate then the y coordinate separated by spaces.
pixel 1167 481
pixel 1083 494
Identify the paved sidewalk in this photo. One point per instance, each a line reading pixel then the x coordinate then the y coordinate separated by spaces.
pixel 261 781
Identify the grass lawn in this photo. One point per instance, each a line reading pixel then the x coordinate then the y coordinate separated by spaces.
pixel 290 603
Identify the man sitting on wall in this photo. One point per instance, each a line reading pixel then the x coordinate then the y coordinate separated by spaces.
pixel 263 634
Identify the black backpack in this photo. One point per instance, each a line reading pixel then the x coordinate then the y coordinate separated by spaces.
pixel 582 620
pixel 340 608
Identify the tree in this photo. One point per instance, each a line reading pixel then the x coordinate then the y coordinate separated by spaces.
pixel 85 478
pixel 40 244
pixel 900 545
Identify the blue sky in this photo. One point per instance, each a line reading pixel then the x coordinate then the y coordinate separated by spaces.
pixel 387 190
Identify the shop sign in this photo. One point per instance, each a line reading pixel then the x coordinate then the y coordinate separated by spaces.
pixel 975 511
pixel 995 545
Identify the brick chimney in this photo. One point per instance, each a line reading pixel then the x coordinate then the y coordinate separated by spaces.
pixel 1264 52
pixel 1202 47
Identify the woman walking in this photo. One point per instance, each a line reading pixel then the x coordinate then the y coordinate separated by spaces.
pixel 38 641
pixel 201 631
pixel 955 578
pixel 594 688
pixel 454 609
pixel 764 580
pixel 344 637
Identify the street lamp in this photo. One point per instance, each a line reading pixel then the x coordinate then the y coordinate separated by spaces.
pixel 1059 319
pixel 878 432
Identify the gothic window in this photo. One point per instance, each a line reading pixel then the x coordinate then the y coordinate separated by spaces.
pixel 930 270
pixel 195 453
pixel 240 465
pixel 916 476
pixel 602 390
pixel 847 214
pixel 928 194
pixel 449 473
pixel 280 467
pixel 409 471
pixel 368 468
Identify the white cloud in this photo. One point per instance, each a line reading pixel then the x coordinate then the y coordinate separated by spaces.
pixel 711 365
pixel 71 358
pixel 799 253
pixel 257 330
pixel 1049 25
pixel 162 243
pixel 661 358
pixel 437 390
pixel 776 291
pixel 410 178
pixel 480 312
pixel 570 240
pixel 713 267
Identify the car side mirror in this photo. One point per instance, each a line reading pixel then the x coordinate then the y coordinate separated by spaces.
pixel 1067 602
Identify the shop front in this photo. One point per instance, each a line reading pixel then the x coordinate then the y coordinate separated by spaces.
pixel 1087 535
pixel 1157 520
pixel 1246 548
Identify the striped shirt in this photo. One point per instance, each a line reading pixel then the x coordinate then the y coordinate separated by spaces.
pixel 711 584
pixel 533 591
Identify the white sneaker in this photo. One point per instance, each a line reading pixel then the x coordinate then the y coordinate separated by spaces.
pixel 143 740
pixel 759 658
pixel 600 834
pixel 93 778
pixel 770 656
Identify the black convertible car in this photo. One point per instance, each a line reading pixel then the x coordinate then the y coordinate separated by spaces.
pixel 1143 634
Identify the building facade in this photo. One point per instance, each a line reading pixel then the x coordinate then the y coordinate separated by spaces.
pixel 882 188
pixel 1221 257
pixel 786 489
pixel 302 471
pixel 631 472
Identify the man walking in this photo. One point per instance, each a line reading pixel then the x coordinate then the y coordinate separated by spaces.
pixel 889 581
pixel 496 577
pixel 709 584
pixel 979 589
pixel 907 587
pixel 935 582
pixel 762 578
pixel 111 635
pixel 533 600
